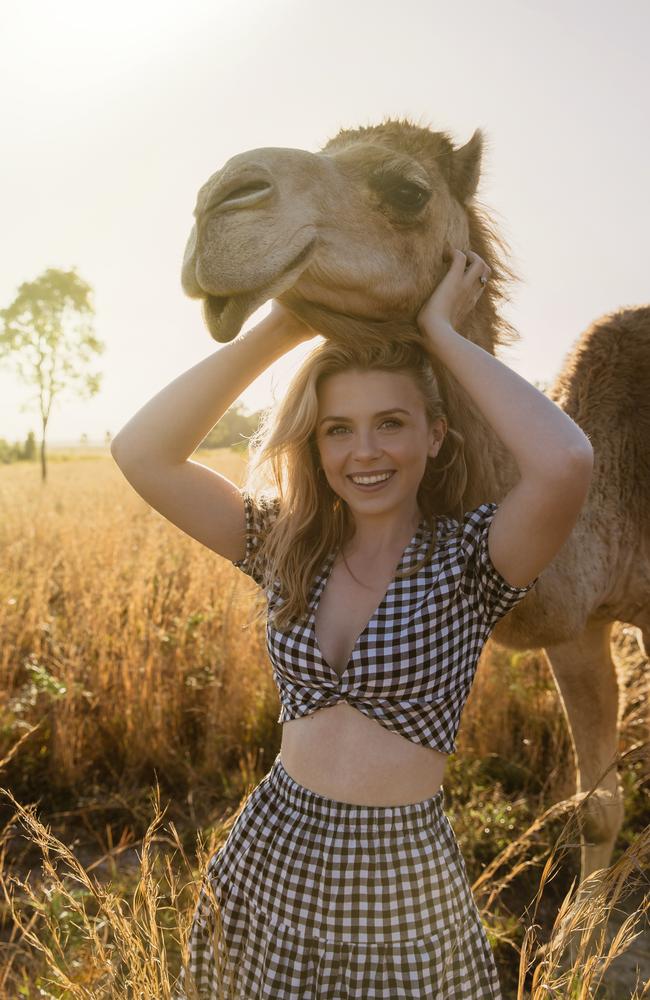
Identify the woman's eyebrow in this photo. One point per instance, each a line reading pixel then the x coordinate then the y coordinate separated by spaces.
pixel 380 413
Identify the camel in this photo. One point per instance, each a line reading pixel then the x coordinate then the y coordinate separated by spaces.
pixel 353 238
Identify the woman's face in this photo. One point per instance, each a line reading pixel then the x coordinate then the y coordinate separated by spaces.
pixel 373 424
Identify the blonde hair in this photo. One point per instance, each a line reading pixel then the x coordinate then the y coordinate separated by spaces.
pixel 312 519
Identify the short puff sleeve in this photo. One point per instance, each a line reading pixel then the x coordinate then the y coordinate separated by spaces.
pixel 260 513
pixel 494 596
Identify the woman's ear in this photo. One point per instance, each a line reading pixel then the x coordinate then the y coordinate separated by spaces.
pixel 437 433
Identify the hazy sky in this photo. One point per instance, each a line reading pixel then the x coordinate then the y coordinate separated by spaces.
pixel 113 115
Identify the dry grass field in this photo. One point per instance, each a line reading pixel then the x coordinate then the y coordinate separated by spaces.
pixel 138 710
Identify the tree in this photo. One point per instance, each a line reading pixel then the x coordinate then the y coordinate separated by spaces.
pixel 29 449
pixel 233 427
pixel 48 335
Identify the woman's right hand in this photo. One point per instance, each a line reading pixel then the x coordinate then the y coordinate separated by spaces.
pixel 290 324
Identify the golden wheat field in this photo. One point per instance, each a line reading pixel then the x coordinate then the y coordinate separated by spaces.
pixel 138 710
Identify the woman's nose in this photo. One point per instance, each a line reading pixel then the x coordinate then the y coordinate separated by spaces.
pixel 366 446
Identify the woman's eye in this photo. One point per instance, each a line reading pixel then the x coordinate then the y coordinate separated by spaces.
pixel 340 427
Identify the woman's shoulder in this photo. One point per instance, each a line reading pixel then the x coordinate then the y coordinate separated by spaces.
pixel 466 533
pixel 261 509
pixel 473 518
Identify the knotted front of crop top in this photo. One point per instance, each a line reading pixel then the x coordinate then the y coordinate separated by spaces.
pixel 413 665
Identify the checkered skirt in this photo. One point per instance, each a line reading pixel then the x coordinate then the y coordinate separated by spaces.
pixel 315 899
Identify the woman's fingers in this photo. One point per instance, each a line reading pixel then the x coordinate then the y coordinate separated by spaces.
pixel 475 263
pixel 458 292
pixel 471 262
pixel 476 268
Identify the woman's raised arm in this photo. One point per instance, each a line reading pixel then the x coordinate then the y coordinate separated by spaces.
pixel 153 448
pixel 553 454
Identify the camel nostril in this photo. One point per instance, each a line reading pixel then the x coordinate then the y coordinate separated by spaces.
pixel 246 188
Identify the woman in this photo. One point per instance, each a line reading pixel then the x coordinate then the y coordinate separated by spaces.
pixel 342 877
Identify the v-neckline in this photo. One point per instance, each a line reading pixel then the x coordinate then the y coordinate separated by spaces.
pixel 320 587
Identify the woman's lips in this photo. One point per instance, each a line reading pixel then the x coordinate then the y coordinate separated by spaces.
pixel 368 487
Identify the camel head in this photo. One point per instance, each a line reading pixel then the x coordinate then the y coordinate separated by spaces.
pixel 354 236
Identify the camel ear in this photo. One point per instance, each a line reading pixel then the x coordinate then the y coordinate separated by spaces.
pixel 465 167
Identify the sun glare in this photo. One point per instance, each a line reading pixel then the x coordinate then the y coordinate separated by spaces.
pixel 76 47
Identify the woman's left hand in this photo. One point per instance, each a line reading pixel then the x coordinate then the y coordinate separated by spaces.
pixel 456 295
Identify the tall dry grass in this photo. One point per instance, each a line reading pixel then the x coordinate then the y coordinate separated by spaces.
pixel 126 663
pixel 120 944
pixel 125 639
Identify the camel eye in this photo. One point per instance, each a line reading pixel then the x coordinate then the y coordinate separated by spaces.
pixel 408 195
pixel 396 189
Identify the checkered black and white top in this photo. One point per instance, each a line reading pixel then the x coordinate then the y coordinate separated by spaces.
pixel 413 665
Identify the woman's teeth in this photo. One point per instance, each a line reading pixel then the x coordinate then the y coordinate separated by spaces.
pixel 370 480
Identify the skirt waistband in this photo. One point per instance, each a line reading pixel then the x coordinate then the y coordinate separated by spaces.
pixel 411 816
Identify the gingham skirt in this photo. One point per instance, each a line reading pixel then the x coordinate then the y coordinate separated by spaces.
pixel 315 899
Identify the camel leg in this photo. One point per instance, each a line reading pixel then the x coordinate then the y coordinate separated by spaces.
pixel 585 676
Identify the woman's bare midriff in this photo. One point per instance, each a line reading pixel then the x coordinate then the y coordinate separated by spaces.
pixel 343 754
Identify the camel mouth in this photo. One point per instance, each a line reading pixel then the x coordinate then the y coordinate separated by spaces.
pixel 225 314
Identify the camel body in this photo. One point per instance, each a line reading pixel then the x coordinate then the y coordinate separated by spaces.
pixel 353 239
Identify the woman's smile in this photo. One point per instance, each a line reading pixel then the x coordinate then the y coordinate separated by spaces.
pixel 370 482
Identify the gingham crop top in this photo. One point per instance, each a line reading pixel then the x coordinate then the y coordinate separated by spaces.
pixel 413 665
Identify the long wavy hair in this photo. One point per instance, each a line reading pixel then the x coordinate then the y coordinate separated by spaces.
pixel 284 466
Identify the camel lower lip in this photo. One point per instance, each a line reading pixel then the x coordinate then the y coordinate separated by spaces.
pixel 216 305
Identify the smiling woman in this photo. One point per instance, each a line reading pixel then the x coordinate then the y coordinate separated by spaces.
pixel 379 602
pixel 370 585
